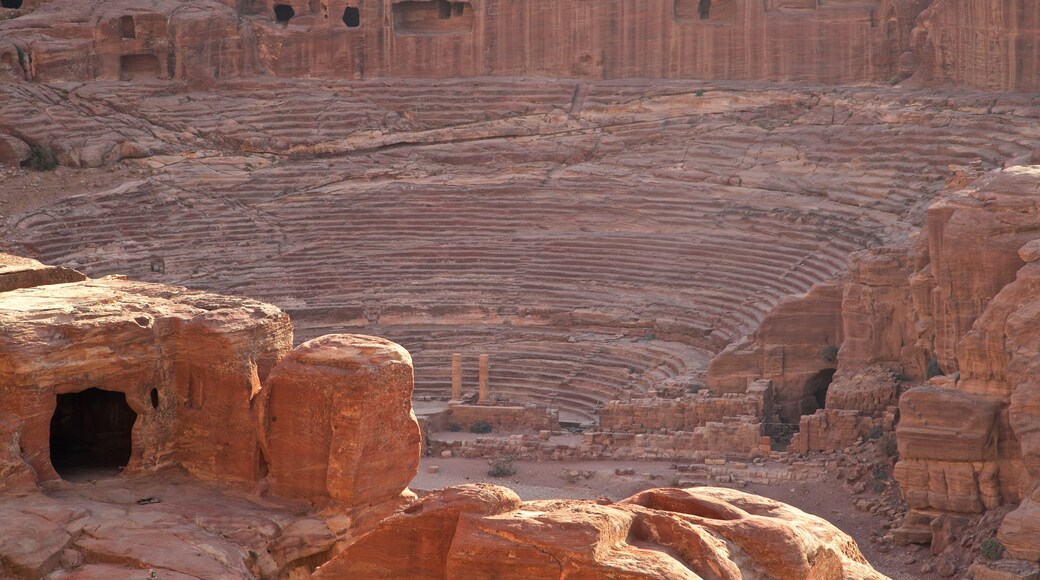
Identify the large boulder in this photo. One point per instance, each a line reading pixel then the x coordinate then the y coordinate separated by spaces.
pixel 337 421
pixel 485 531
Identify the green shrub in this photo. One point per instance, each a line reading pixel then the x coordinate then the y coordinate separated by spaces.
pixel 829 353
pixel 502 467
pixel 887 446
pixel 878 487
pixel 693 389
pixel 876 432
pixel 880 474
pixel 991 549
pixel 480 427
pixel 454 427
pixel 933 369
pixel 42 159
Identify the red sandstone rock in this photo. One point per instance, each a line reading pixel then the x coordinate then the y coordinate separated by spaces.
pixel 337 423
pixel 17 272
pixel 187 362
pixel 795 346
pixel 483 530
pixel 13 151
pixel 990 45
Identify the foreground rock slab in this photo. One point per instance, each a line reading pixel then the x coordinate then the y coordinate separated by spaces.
pixel 483 530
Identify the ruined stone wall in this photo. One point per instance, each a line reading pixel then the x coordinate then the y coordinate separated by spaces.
pixel 734 438
pixel 685 414
pixel 529 417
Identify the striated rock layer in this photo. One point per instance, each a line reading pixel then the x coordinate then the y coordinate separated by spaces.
pixel 483 530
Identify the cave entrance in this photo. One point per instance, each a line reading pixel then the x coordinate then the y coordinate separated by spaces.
pixel 127 27
pixel 283 13
pixel 11 3
pixel 352 17
pixel 91 434
pixel 138 67
pixel 818 385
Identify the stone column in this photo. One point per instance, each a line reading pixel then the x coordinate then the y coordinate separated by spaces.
pixel 456 377
pixel 483 398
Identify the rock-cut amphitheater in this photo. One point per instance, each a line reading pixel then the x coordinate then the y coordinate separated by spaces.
pixel 265 260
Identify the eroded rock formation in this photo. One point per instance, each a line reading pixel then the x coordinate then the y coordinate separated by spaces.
pixel 196 381
pixel 484 530
pixel 957 305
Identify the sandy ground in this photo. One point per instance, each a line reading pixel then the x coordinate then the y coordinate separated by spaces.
pixel 829 499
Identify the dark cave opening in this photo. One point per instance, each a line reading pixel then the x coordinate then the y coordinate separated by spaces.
pixel 818 385
pixel 283 13
pixel 91 433
pixel 352 17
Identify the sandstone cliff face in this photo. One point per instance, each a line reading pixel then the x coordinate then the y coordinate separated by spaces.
pixel 981 43
pixel 483 530
pixel 795 346
pixel 723 39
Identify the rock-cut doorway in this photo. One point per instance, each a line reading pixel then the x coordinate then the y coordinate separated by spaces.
pixel 91 434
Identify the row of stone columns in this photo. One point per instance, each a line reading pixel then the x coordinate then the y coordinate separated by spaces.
pixel 456 379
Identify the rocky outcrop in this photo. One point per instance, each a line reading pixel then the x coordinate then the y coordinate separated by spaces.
pixel 484 530
pixel 186 362
pixel 18 272
pixel 960 450
pixel 795 347
pixel 336 421
pixel 979 43
pixel 157 377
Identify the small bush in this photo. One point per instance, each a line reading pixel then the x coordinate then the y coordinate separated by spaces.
pixel 887 446
pixel 829 353
pixel 880 474
pixel 42 159
pixel 991 549
pixel 878 487
pixel 693 389
pixel 933 369
pixel 480 427
pixel 454 427
pixel 876 432
pixel 699 92
pixel 502 467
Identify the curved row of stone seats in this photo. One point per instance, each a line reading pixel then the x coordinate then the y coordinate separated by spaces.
pixel 649 224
